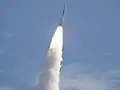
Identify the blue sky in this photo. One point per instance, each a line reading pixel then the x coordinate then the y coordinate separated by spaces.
pixel 91 43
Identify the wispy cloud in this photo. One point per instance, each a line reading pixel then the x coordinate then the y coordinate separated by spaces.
pixel 78 77
pixel 2 52
pixel 7 35
pixel 106 54
pixel 2 71
pixel 35 81
pixel 5 88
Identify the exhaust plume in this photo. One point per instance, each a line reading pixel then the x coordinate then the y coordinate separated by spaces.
pixel 51 73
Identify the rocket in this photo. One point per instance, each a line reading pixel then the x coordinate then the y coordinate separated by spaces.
pixel 62 16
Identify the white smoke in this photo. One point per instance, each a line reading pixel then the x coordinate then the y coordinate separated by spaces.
pixel 51 73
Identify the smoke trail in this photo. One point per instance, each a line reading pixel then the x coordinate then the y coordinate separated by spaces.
pixel 53 62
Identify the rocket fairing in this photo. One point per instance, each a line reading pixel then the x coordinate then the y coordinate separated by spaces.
pixel 62 16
